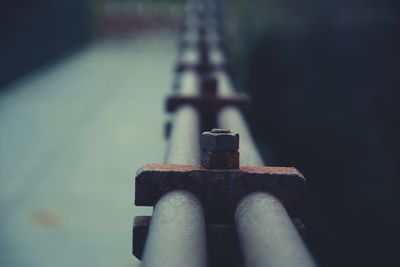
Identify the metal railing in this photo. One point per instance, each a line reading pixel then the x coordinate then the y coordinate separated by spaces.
pixel 181 227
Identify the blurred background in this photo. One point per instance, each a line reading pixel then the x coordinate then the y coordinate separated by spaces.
pixel 82 85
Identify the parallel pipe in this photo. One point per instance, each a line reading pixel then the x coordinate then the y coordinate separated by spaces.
pixel 177 236
pixel 265 231
pixel 267 236
pixel 231 118
pixel 184 147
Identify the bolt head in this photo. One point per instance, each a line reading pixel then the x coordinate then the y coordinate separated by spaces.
pixel 209 85
pixel 220 140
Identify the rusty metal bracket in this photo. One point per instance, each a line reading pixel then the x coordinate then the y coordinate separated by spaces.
pixel 208 103
pixel 221 189
pixel 201 67
pixel 220 237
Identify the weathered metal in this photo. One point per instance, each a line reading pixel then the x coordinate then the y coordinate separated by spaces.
pixel 139 234
pixel 220 188
pixel 223 247
pixel 220 160
pixel 177 234
pixel 206 103
pixel 258 201
pixel 219 150
pixel 208 85
pixel 220 140
pixel 266 234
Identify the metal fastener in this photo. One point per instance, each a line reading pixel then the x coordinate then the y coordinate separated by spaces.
pixel 220 149
pixel 208 85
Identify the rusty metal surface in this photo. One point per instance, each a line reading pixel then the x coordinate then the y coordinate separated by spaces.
pixel 177 236
pixel 223 246
pixel 139 235
pixel 220 160
pixel 219 150
pixel 220 140
pixel 264 198
pixel 206 103
pixel 208 85
pixel 266 234
pixel 220 188
pixel 222 249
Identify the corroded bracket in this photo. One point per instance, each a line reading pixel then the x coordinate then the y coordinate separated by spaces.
pixel 221 189
pixel 208 103
pixel 201 67
pixel 221 238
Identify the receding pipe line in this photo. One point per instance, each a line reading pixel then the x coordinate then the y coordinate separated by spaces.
pixel 177 235
pixel 266 234
pixel 265 231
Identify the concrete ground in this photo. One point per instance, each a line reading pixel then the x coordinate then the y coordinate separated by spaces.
pixel 72 136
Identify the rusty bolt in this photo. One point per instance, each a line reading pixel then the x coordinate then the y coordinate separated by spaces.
pixel 220 140
pixel 208 85
pixel 220 149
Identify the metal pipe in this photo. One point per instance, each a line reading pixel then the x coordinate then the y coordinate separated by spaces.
pixel 231 118
pixel 187 83
pixel 266 234
pixel 184 147
pixel 177 233
pixel 177 236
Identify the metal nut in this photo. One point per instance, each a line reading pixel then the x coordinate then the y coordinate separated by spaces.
pixel 220 140
pixel 208 85
pixel 220 160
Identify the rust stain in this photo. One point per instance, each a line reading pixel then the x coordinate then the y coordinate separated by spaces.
pixel 244 169
pixel 46 219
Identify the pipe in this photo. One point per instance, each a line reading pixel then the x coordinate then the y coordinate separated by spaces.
pixel 231 118
pixel 184 147
pixel 265 231
pixel 177 235
pixel 266 234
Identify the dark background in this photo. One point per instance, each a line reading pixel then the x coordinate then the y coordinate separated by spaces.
pixel 35 32
pixel 324 76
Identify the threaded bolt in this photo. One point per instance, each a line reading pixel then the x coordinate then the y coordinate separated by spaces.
pixel 220 149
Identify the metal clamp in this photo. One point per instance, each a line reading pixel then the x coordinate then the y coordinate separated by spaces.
pixel 219 182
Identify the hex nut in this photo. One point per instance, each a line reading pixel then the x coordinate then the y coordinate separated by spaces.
pixel 208 85
pixel 220 140
pixel 220 160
